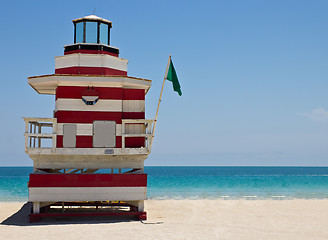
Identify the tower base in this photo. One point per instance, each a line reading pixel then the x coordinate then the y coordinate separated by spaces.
pixel 87 209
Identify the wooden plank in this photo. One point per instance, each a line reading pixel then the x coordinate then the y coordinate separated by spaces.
pixel 125 121
pixel 133 115
pixel 85 153
pixel 89 116
pixel 39 135
pixel 30 119
pixel 105 105
pixel 87 194
pixel 129 140
pixel 133 105
pixel 130 158
pixel 136 135
pixel 91 71
pixel 76 92
pixel 87 179
pixel 133 94
pixel 85 51
pixel 86 129
pixel 37 217
pixel 91 60
pixel 86 141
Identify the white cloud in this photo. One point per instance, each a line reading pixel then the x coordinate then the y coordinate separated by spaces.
pixel 318 114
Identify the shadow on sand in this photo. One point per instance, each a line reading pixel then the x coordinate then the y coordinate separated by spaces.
pixel 21 218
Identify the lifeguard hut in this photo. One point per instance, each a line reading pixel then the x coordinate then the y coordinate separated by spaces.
pixel 92 158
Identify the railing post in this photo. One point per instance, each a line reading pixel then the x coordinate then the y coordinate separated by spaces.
pixel 26 137
pixel 39 131
pixel 26 126
pixel 30 136
pixel 123 132
pixel 34 131
pixel 150 136
pixel 54 136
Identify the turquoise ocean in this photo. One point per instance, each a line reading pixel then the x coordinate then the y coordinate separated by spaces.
pixel 204 182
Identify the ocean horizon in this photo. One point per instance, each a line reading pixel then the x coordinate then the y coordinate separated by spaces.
pixel 204 182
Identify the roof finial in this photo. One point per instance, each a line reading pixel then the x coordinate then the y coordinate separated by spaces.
pixel 94 11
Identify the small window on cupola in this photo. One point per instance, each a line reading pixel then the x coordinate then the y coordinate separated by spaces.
pixel 79 32
pixel 103 33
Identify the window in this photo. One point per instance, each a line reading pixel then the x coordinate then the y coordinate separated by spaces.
pixel 103 31
pixel 79 32
pixel 91 32
pixel 90 100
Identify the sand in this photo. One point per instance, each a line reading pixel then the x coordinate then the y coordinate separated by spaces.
pixel 183 219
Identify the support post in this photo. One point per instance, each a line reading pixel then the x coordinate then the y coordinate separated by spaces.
pixel 36 207
pixel 141 206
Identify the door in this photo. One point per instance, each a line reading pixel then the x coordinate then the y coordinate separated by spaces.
pixel 69 138
pixel 104 134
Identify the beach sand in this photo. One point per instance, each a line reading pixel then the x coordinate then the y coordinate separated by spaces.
pixel 182 219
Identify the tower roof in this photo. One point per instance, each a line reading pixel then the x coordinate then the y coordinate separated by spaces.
pixel 92 18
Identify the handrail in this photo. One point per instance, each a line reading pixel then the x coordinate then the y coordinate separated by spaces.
pixel 148 131
pixel 33 131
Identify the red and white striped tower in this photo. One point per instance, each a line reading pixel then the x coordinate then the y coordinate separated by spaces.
pixel 94 154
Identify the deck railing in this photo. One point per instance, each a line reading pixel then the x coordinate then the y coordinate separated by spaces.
pixel 34 134
pixel 147 134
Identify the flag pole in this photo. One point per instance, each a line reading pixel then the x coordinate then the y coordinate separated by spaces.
pixel 159 102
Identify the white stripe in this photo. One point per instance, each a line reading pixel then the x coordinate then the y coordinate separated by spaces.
pixel 135 128
pixel 102 105
pixel 78 105
pixel 87 129
pixel 91 60
pixel 133 105
pixel 81 129
pixel 87 194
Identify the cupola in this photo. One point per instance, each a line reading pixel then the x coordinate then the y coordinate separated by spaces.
pixel 92 29
pixel 92 35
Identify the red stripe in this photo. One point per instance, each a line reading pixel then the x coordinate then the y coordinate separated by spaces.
pixel 133 115
pixel 88 180
pixel 36 217
pixel 91 71
pixel 103 93
pixel 90 116
pixel 133 94
pixel 87 116
pixel 77 92
pixel 87 142
pixel 84 51
pixel 134 142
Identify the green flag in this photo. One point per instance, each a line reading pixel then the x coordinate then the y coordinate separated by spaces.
pixel 172 76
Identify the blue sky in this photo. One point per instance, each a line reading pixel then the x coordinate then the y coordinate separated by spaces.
pixel 254 75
